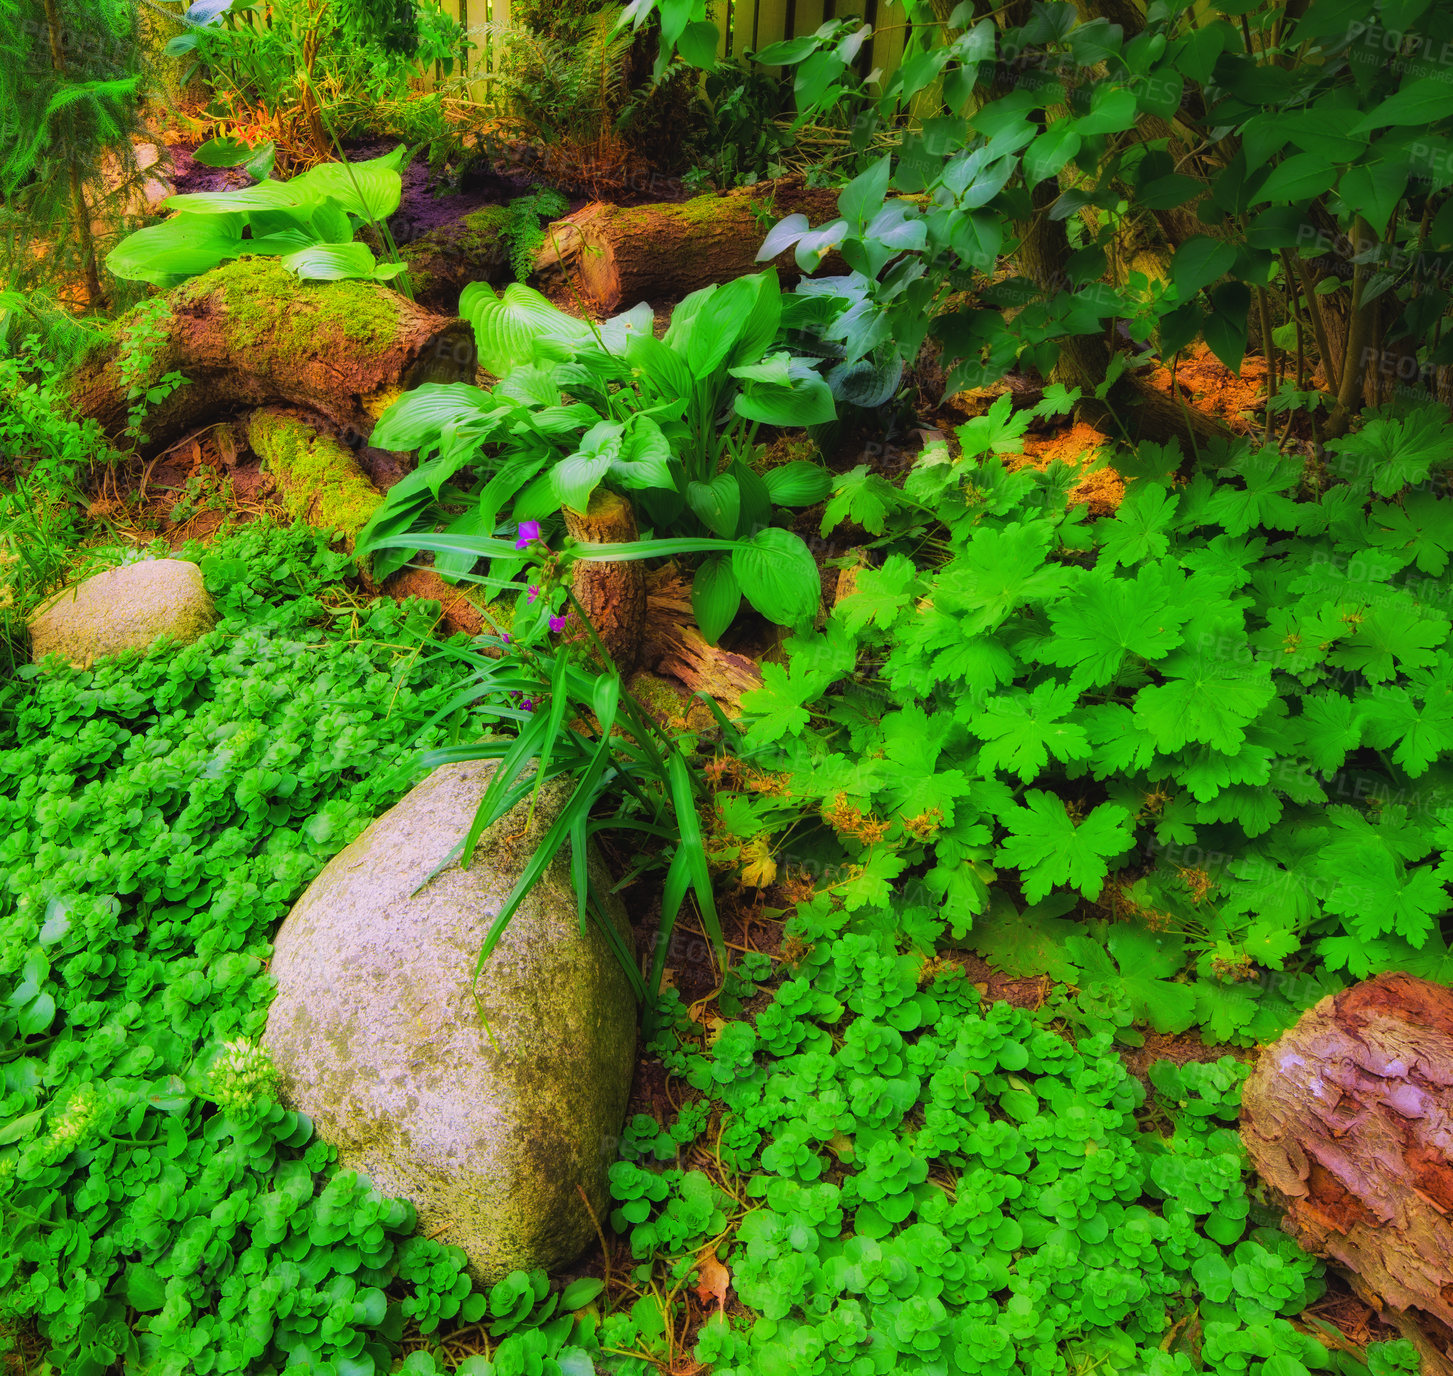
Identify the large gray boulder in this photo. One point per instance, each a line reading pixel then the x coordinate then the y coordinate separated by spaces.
pixel 126 608
pixel 491 1129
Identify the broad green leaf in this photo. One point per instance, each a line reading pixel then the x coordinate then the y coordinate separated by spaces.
pixel 715 597
pixel 177 248
pixel 803 399
pixel 1200 261
pixel 1300 177
pixel 1424 101
pixel 333 262
pixel 371 190
pixel 862 198
pixel 798 483
pixel 778 576
pixel 517 326
pixel 717 503
pixel 295 196
pixel 222 152
pixel 420 417
pixel 1050 152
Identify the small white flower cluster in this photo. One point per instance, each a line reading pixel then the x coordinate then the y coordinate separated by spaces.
pixel 242 1074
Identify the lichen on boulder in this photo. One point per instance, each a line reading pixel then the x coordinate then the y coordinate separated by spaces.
pixel 489 1100
pixel 126 609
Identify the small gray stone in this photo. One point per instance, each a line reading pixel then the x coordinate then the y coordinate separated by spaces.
pixel 127 608
pixel 492 1129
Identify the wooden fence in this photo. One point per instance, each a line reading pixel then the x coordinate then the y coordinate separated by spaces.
pixel 747 25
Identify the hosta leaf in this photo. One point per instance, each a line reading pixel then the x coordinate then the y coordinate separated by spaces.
pixel 516 326
pixel 798 483
pixel 778 576
pixel 334 262
pixel 178 248
pixel 715 597
pixel 371 190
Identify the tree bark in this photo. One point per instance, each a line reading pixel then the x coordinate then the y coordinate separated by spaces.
pixel 446 260
pixel 663 252
pixel 612 594
pixel 1349 1118
pixel 252 334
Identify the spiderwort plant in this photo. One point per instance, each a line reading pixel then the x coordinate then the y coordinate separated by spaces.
pixel 578 723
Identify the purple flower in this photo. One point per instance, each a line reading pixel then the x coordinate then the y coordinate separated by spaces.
pixel 533 594
pixel 527 704
pixel 557 623
pixel 528 533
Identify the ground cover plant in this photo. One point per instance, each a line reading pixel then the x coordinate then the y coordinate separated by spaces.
pixel 160 816
pixel 1183 762
pixel 1231 695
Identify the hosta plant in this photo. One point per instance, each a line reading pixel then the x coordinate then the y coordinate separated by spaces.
pixel 308 222
pixel 670 421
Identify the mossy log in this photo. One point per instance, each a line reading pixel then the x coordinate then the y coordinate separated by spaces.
pixel 319 478
pixel 662 252
pixel 446 260
pixel 252 334
pixel 1349 1118
pixel 611 593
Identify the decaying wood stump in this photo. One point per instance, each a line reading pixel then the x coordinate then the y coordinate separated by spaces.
pixel 318 476
pixel 252 334
pixel 1349 1117
pixel 676 647
pixel 663 252
pixel 612 593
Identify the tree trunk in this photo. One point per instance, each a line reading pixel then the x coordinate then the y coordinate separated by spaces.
pixel 95 296
pixel 611 593
pixel 1084 359
pixel 663 252
pixel 1349 1117
pixel 252 334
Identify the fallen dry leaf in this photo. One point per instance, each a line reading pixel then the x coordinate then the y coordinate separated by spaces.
pixel 715 1281
pixel 760 869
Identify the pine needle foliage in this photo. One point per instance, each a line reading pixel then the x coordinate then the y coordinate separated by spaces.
pixel 69 71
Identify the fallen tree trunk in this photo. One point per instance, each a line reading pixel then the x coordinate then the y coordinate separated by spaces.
pixel 446 260
pixel 1349 1118
pixel 252 334
pixel 625 254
